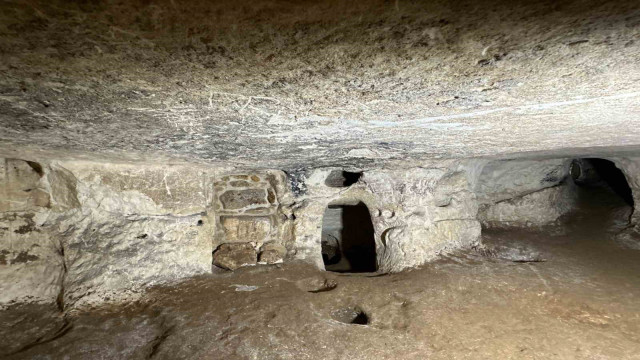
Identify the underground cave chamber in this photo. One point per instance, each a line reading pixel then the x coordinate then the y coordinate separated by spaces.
pixel 324 179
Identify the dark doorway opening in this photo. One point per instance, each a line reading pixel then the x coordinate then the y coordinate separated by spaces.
pixel 603 174
pixel 348 243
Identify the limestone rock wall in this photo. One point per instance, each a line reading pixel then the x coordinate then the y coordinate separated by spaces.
pixel 88 232
pixel 31 262
pixel 416 213
pixel 136 227
pixel 524 192
pixel 535 209
pixel 82 233
pixel 630 167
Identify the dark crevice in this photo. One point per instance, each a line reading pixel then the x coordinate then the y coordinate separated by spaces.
pixel 159 340
pixel 614 178
pixel 361 319
pixel 66 326
pixel 60 297
pixel 340 178
pixel 36 167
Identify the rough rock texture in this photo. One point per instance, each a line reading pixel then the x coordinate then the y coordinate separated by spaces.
pixel 158 131
pixel 246 229
pixel 582 303
pixel 542 207
pixel 21 186
pixel 269 84
pixel 524 192
pixel 630 235
pixel 136 227
pixel 411 224
pixel 234 256
pixel 31 263
pixel 94 338
pixel 23 325
pixel 272 253
pixel 631 168
pixel 502 180
pixel 248 210
pixel 106 231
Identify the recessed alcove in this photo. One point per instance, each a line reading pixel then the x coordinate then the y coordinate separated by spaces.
pixel 340 178
pixel 348 243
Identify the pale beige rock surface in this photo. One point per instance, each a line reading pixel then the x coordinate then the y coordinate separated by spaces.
pixel 263 84
pixel 146 143
pixel 234 256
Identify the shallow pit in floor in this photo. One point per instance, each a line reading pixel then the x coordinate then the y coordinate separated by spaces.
pixel 351 315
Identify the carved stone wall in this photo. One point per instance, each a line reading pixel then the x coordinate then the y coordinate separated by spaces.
pixel 249 216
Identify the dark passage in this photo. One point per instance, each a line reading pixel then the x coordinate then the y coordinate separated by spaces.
pixel 348 243
pixel 601 173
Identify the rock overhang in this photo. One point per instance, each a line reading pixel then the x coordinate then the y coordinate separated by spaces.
pixel 314 84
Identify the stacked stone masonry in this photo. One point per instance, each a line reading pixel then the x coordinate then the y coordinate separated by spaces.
pixel 248 220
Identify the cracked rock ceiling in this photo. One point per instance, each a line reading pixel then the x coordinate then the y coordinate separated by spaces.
pixel 290 84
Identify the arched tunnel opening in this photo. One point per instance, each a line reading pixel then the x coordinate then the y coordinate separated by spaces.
pixel 601 175
pixel 540 209
pixel 348 243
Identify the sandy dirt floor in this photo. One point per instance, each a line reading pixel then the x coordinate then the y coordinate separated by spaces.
pixel 565 292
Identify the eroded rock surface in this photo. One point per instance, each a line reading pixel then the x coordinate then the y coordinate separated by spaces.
pixel 31 261
pixel 26 325
pixel 103 233
pixel 233 256
pixel 525 193
pixel 267 85
pixel 109 231
pixel 272 253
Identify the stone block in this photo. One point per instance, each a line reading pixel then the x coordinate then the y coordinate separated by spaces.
pixel 239 184
pixel 174 189
pixel 63 189
pixel 246 228
pixel 442 200
pixel 233 256
pixel 272 253
pixel 241 199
